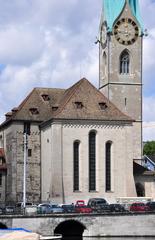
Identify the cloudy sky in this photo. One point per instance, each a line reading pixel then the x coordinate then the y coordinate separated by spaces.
pixel 50 43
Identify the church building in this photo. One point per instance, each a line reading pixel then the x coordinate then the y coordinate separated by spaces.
pixel 83 142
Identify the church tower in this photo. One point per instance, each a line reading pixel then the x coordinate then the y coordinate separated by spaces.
pixel 120 61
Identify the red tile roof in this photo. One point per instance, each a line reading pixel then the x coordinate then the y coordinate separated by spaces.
pixel 60 104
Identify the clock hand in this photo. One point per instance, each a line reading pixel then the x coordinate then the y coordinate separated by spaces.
pixel 124 32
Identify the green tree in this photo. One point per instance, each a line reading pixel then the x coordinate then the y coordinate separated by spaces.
pixel 149 148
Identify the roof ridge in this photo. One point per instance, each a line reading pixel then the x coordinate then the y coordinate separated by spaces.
pixel 73 89
pixel 49 88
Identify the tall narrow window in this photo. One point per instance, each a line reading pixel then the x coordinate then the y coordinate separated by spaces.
pixel 124 62
pixel 27 127
pixel 108 166
pixel 76 165
pixel 92 161
pixel 104 64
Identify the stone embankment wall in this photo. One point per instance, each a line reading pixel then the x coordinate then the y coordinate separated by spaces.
pixel 94 225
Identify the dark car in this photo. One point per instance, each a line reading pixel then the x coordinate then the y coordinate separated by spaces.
pixel 9 210
pixel 68 208
pixel 99 205
pixel 1 210
pixel 139 207
pixel 151 205
pixel 116 207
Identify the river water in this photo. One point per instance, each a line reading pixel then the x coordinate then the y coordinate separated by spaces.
pixel 121 238
pixel 110 238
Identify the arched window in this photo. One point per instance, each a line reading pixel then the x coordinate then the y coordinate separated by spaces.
pixel 108 166
pixel 104 64
pixel 92 161
pixel 76 165
pixel 124 62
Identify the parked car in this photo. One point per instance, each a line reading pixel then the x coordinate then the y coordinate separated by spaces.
pixel 116 207
pixel 99 205
pixel 81 207
pixel 20 206
pixel 68 208
pixel 46 208
pixel 43 208
pixel 151 205
pixel 80 203
pixel 56 209
pixel 139 207
pixel 9 210
pixel 1 210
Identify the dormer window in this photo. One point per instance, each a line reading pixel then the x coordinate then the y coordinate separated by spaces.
pixel 34 111
pixel 45 97
pixel 8 115
pixel 79 105
pixel 14 110
pixel 54 108
pixel 103 105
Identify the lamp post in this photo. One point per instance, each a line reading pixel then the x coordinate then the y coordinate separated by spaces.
pixel 24 174
pixel 26 133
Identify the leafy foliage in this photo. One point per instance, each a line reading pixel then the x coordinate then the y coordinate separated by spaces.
pixel 149 148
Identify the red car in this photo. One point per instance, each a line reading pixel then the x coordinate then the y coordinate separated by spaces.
pixel 81 207
pixel 139 207
pixel 80 203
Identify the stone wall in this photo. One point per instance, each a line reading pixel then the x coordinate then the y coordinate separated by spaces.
pixel 14 153
pixel 95 225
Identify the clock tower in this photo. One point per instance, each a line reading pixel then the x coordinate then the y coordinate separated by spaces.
pixel 120 61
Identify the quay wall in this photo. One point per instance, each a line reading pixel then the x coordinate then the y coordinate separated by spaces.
pixel 94 225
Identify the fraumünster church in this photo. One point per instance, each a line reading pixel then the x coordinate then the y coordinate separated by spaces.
pixel 83 142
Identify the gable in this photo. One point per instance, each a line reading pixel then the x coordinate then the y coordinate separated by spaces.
pixel 84 101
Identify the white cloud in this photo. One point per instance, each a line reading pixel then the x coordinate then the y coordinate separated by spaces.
pixel 148 131
pixel 51 44
pixel 149 109
pixel 149 118
pixel 20 45
pixel 149 50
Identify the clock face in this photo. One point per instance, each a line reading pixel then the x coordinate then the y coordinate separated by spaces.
pixel 126 31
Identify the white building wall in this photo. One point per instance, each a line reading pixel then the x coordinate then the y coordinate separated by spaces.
pixel 61 156
pixel 46 163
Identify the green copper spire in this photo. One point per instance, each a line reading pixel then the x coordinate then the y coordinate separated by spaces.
pixel 113 8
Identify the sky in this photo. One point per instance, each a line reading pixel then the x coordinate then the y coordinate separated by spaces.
pixel 50 43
